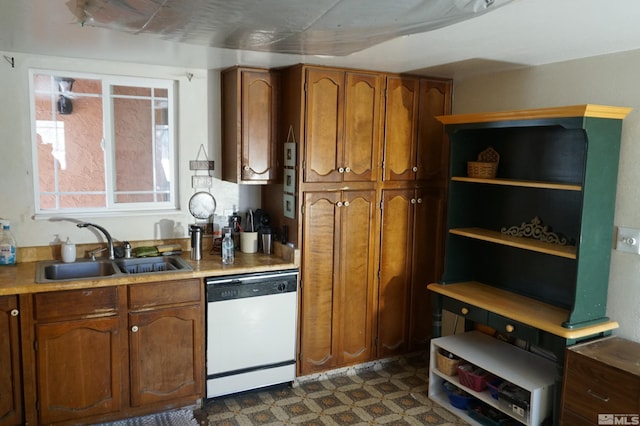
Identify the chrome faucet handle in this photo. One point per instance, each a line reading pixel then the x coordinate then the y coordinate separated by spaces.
pixel 106 235
pixel 93 252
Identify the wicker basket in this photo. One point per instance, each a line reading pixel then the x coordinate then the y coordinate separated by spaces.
pixel 486 166
pixel 447 365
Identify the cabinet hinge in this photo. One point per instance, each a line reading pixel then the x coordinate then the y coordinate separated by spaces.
pixel 35 345
pixel 302 209
pixel 381 204
pixel 379 274
pixel 301 283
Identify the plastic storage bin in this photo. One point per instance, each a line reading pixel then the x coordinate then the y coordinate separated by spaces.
pixel 457 397
pixel 474 377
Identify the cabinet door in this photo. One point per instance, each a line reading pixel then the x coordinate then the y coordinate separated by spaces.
pixel 259 109
pixel 79 368
pixel 428 258
pixel 401 129
pixel 362 127
pixel 320 260
pixel 10 385
pixel 395 271
pixel 249 120
pixel 433 147
pixel 324 125
pixel 166 354
pixel 354 290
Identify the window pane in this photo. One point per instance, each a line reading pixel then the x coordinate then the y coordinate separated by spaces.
pixel 70 154
pixel 73 151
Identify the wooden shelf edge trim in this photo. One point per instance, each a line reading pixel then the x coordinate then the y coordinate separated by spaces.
pixel 496 237
pixel 520 308
pixel 522 183
pixel 588 110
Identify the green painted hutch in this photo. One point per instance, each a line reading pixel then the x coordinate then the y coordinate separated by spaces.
pixel 527 252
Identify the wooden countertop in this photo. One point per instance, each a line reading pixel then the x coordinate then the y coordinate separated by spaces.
pixel 519 308
pixel 20 279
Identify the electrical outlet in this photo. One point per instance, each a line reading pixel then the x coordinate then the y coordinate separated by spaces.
pixel 628 240
pixel 201 181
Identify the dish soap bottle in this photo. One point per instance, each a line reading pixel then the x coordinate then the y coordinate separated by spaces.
pixel 227 247
pixel 68 250
pixel 7 246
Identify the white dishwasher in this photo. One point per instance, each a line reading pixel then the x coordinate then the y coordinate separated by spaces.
pixel 251 331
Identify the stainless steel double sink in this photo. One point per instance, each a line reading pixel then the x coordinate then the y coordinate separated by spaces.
pixel 55 271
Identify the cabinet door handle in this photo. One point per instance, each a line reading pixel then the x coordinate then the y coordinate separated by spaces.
pixel 464 311
pixel 414 169
pixel 347 169
pixel 346 204
pixel 595 395
pixel 134 329
pixel 339 204
pixel 509 328
pixel 413 201
pixel 341 170
pixel 15 312
pixel 419 200
pixel 246 168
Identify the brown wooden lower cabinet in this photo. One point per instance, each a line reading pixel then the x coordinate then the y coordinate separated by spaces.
pixel 115 352
pixel 166 342
pixel 79 368
pixel 10 382
pixel 411 250
pixel 337 280
pixel 601 383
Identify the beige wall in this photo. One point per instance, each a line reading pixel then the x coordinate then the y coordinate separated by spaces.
pixel 607 80
pixel 198 123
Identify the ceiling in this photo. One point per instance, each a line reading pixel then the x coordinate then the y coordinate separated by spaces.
pixel 512 34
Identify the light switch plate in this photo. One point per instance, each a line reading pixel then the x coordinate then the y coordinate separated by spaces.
pixel 628 239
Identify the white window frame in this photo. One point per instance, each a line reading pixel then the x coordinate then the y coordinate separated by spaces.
pixel 111 207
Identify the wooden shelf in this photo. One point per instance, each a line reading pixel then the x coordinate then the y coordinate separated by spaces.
pixel 523 309
pixel 496 237
pixel 528 371
pixel 588 110
pixel 521 183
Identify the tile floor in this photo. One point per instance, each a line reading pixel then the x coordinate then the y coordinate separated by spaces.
pixel 390 392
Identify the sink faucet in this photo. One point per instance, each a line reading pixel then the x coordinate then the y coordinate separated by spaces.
pixel 106 234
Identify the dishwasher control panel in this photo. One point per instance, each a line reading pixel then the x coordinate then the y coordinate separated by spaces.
pixel 251 285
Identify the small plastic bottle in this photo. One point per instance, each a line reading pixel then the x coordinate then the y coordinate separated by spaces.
pixel 7 246
pixel 227 247
pixel 68 251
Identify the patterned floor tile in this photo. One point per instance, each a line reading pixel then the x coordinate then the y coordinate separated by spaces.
pixel 390 393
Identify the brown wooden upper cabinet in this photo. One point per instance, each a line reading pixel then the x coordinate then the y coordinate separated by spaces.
pixel 414 144
pixel 249 125
pixel 343 130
